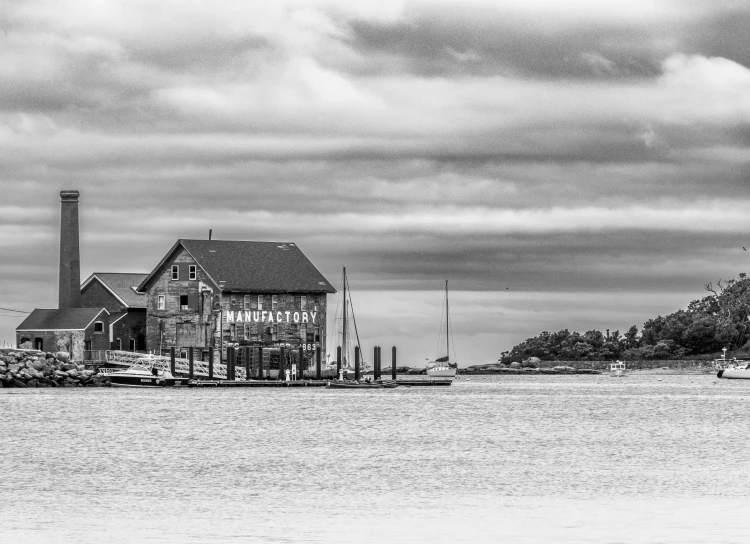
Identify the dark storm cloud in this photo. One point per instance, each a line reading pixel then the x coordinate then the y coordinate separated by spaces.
pixel 437 42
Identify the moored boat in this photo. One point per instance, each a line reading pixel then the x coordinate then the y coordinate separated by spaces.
pixel 354 385
pixel 144 374
pixel 736 370
pixel 442 367
pixel 617 369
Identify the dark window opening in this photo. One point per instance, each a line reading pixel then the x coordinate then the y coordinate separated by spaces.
pixel 39 344
pixel 99 326
pixel 183 302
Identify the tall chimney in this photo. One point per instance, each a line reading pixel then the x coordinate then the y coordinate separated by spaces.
pixel 70 260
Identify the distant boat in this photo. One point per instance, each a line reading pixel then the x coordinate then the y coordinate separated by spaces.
pixel 736 369
pixel 617 369
pixel 442 367
pixel 345 335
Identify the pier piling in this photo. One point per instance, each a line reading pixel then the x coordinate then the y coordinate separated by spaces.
pixel 318 355
pixel 356 363
pixel 191 366
pixel 393 362
pixel 260 362
pixel 300 365
pixel 211 363
pixel 338 362
pixel 246 355
pixel 171 360
pixel 282 362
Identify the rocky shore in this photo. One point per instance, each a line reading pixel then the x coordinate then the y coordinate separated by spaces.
pixel 30 368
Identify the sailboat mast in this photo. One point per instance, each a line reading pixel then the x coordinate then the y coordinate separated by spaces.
pixel 447 320
pixel 343 339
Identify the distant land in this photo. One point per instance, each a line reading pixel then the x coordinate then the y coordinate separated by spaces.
pixel 717 321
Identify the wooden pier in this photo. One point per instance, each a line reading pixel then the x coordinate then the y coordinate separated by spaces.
pixel 305 383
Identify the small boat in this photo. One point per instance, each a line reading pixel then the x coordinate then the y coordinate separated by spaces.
pixel 143 373
pixel 617 369
pixel 737 369
pixel 354 385
pixel 442 367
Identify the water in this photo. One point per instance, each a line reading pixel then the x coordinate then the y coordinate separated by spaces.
pixel 512 459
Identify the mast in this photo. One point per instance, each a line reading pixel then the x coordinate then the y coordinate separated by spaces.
pixel 343 339
pixel 447 320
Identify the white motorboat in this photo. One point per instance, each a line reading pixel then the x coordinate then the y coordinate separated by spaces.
pixel 143 373
pixel 617 369
pixel 735 370
pixel 442 367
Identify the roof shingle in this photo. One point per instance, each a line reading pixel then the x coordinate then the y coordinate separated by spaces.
pixel 69 319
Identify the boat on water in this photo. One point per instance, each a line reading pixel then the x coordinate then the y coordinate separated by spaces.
pixel 442 367
pixel 361 385
pixel 617 369
pixel 143 373
pixel 347 337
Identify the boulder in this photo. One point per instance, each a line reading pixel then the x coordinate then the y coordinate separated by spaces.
pixel 62 356
pixel 61 374
pixel 515 365
pixel 17 383
pixel 73 373
pixel 563 369
pixel 47 383
pixel 37 364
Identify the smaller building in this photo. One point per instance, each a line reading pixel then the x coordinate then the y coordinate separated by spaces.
pixel 73 330
pixel 116 291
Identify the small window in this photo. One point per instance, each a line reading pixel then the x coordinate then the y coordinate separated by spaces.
pixel 193 273
pixel 131 344
pixel 274 301
pixel 183 302
pixel 247 302
pixel 119 344
pixel 98 326
pixel 234 300
pixel 175 272
pixel 275 333
pixel 162 302
pixel 247 331
pixel 260 302
pixel 303 303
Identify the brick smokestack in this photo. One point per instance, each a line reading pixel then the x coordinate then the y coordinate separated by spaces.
pixel 70 260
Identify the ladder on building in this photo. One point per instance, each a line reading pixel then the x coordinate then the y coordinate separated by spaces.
pixel 181 366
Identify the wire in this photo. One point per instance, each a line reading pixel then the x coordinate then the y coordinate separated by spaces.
pixel 19 311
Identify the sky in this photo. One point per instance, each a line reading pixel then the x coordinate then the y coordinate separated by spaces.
pixel 565 164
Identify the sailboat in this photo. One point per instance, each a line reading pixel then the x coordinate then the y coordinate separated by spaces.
pixel 442 367
pixel 345 336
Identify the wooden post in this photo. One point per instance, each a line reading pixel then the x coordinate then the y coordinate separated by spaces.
pixel 338 362
pixel 282 362
pixel 356 363
pixel 380 366
pixel 231 359
pixel 171 360
pixel 211 363
pixel 300 365
pixel 190 362
pixel 393 362
pixel 260 362
pixel 246 355
pixel 375 363
pixel 318 363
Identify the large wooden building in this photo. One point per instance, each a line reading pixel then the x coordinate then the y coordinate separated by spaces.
pixel 217 293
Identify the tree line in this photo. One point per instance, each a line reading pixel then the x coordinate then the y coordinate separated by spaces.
pixel 718 320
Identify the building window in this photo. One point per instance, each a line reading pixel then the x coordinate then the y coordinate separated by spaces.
pixel 119 344
pixel 247 331
pixel 303 332
pixel 183 302
pixel 247 302
pixel 275 333
pixel 162 305
pixel 233 300
pixel 193 272
pixel 175 272
pixel 260 302
pixel 274 301
pixel 98 326
pixel 132 344
pixel 303 303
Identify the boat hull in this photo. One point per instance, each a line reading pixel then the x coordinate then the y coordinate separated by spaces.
pixel 441 372
pixel 734 374
pixel 343 385
pixel 144 381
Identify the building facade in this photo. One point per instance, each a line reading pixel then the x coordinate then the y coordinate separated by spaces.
pixel 127 307
pixel 217 293
pixel 74 330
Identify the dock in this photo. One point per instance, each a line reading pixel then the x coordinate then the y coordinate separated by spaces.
pixel 305 383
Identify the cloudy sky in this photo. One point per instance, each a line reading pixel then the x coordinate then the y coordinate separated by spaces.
pixel 566 164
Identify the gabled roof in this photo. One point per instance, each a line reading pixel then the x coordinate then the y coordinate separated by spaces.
pixel 122 285
pixel 69 319
pixel 257 267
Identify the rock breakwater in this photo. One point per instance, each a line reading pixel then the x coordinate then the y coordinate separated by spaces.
pixel 30 368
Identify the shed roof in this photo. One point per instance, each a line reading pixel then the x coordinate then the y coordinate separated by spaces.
pixel 244 266
pixel 69 319
pixel 122 285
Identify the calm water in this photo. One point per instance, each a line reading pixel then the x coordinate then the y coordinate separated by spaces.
pixel 512 459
